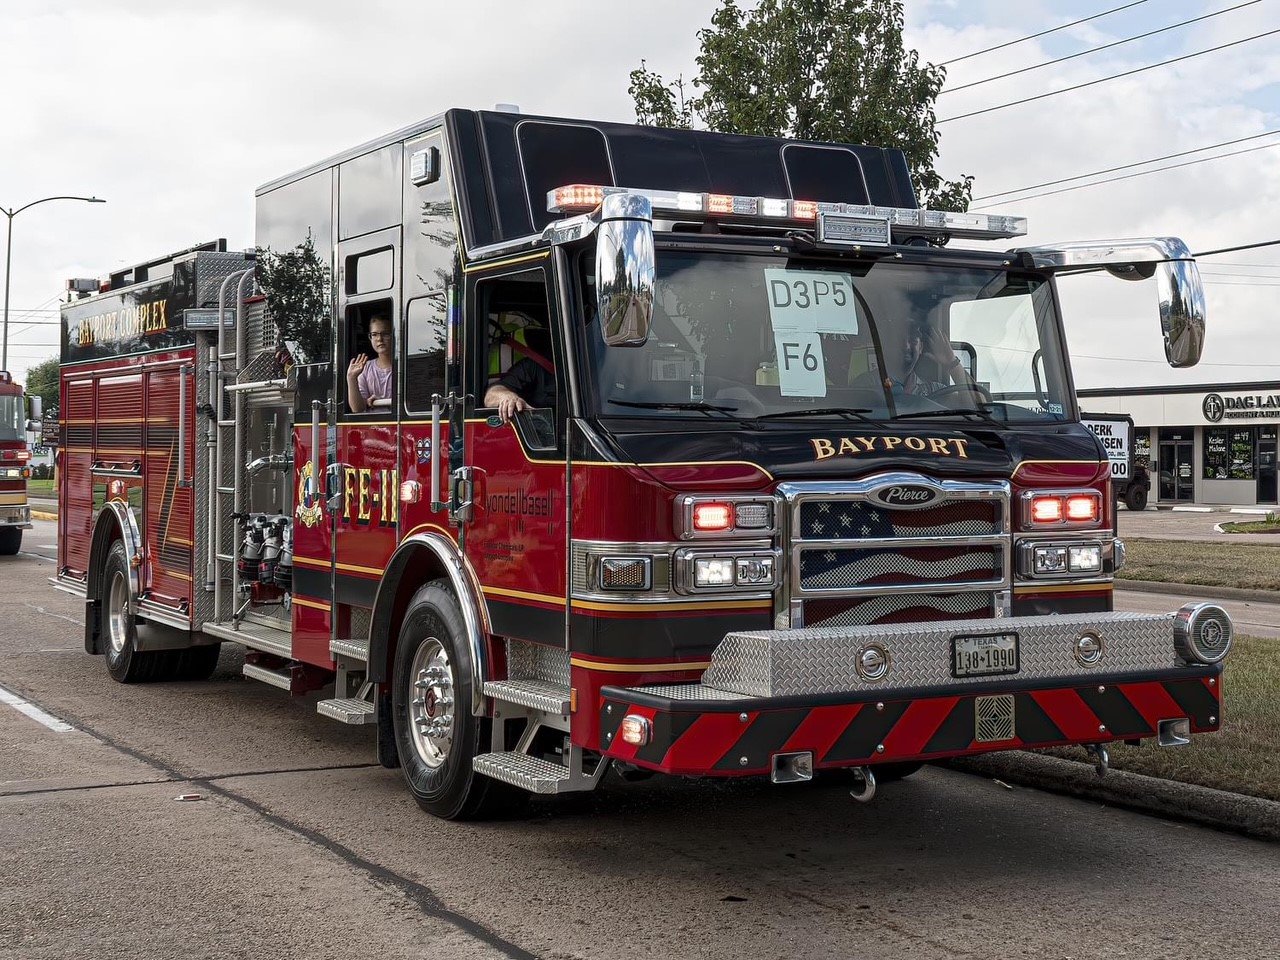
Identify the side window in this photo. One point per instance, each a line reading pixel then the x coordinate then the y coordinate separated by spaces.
pixel 370 354
pixel 425 333
pixel 517 350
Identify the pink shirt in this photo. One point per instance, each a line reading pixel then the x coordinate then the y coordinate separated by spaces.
pixel 375 381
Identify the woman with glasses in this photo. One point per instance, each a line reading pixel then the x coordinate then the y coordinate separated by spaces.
pixel 366 381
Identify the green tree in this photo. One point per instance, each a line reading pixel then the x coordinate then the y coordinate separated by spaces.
pixel 296 285
pixel 826 70
pixel 42 381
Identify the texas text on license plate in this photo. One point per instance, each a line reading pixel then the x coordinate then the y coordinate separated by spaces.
pixel 980 656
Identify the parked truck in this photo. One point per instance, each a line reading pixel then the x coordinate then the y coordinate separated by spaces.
pixel 17 411
pixel 801 483
pixel 1130 474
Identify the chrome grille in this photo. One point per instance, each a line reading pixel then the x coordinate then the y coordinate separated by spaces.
pixel 828 569
pixel 896 608
pixel 861 519
pixel 853 560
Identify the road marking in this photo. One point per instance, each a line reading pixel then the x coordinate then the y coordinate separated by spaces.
pixel 47 546
pixel 34 712
pixel 49 613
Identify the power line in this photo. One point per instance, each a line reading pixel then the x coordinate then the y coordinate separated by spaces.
pixel 1247 246
pixel 1115 76
pixel 1042 33
pixel 1105 46
pixel 1129 166
pixel 1130 176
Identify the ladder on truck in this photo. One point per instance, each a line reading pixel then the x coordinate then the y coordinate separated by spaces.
pixel 237 382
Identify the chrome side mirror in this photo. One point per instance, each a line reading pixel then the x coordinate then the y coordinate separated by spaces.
pixel 624 269
pixel 1182 311
pixel 35 407
pixel 1181 294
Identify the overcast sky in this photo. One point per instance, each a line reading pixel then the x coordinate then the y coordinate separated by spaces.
pixel 174 111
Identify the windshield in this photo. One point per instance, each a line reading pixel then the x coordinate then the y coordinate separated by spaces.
pixel 12 418
pixel 766 336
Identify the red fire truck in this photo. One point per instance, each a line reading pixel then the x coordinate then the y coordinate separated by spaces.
pixel 16 413
pixel 798 484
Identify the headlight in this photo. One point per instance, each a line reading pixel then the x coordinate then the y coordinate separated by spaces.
pixel 721 571
pixel 1086 558
pixel 713 572
pixel 1051 560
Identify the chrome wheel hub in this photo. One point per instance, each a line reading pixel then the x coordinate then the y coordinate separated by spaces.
pixel 118 612
pixel 431 707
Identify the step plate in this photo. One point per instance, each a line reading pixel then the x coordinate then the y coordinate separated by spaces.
pixel 281 680
pixel 353 649
pixel 541 695
pixel 347 710
pixel 521 770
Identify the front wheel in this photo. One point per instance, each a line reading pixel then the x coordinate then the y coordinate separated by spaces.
pixel 437 735
pixel 10 541
pixel 125 662
pixel 1135 498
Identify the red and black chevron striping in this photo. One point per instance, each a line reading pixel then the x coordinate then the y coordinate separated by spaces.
pixel 724 738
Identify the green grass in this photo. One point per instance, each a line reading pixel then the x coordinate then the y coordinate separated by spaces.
pixel 1271 524
pixel 1239 563
pixel 1244 756
pixel 40 486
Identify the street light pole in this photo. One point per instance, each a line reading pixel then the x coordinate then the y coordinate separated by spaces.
pixel 8 259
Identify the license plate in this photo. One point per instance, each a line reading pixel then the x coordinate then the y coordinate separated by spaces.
pixel 982 656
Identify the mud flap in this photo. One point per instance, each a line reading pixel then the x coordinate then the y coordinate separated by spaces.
pixel 387 755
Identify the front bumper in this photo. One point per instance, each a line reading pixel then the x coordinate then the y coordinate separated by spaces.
pixel 795 691
pixel 15 516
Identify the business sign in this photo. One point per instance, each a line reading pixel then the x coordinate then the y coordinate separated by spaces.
pixel 49 428
pixel 1254 406
pixel 1114 436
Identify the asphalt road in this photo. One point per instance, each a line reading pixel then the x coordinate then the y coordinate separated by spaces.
pixel 300 847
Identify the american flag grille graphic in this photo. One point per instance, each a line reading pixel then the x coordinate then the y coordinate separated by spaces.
pixel 896 608
pixel 841 568
pixel 858 519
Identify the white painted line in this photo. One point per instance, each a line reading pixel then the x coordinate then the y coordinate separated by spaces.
pixel 34 712
pixel 1253 511
pixel 47 546
pixel 1193 510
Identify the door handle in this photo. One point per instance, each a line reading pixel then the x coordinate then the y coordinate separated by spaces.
pixel 335 492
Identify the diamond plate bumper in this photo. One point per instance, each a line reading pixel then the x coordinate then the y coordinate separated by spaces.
pixel 786 691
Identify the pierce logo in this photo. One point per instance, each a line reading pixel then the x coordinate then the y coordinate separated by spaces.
pixel 906 497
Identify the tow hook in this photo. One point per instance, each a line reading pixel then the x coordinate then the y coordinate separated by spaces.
pixel 868 791
pixel 1101 759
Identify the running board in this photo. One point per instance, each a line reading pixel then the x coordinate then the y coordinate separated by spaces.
pixel 540 695
pixel 529 773
pixel 276 678
pixel 352 710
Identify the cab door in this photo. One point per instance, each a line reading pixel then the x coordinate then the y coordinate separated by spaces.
pixel 516 537
pixel 363 483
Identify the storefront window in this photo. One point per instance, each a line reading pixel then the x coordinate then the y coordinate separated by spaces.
pixel 1241 450
pixel 1216 461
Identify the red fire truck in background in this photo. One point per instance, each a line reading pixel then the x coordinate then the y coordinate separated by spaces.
pixel 16 414
pixel 800 486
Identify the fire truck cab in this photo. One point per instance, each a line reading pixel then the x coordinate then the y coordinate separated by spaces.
pixel 17 415
pixel 792 484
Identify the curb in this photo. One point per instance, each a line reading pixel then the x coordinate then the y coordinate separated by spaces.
pixel 1197 590
pixel 42 515
pixel 1251 816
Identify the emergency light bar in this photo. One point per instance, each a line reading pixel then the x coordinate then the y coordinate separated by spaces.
pixel 581 197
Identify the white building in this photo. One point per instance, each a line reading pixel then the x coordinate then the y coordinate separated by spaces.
pixel 1208 443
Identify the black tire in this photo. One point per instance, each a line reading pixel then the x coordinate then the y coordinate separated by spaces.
pixel 10 541
pixel 195 663
pixel 436 734
pixel 119 630
pixel 1135 498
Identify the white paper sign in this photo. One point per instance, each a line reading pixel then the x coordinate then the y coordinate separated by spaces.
pixel 803 304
